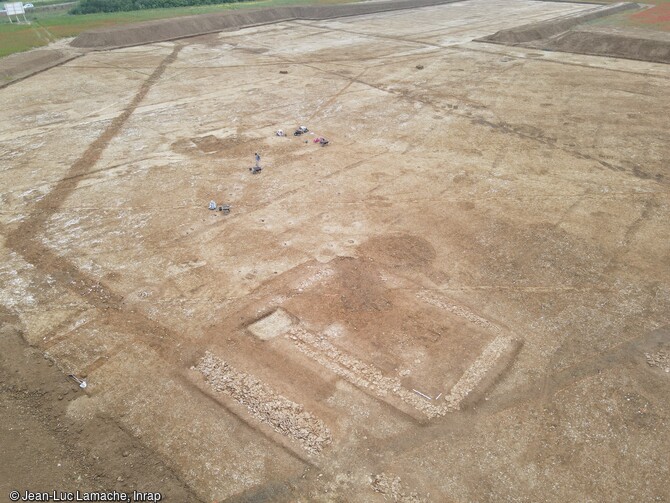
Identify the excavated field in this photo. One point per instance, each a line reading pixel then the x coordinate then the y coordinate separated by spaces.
pixel 572 33
pixel 465 296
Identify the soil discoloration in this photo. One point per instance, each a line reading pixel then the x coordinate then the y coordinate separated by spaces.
pixel 467 288
pixel 399 251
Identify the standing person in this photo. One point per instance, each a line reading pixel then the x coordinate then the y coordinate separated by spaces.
pixel 258 160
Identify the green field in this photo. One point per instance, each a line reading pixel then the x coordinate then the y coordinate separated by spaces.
pixel 49 26
pixel 656 18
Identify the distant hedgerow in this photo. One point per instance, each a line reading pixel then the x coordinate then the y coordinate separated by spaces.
pixel 93 6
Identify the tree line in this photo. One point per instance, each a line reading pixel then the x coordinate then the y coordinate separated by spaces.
pixel 93 6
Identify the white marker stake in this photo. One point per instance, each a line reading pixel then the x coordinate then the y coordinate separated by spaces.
pixel 425 396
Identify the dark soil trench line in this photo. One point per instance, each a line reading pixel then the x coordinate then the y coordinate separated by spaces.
pixel 23 240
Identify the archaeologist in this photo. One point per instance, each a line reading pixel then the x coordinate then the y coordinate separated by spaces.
pixel 257 168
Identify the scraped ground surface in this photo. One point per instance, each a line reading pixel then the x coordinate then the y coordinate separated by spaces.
pixel 464 297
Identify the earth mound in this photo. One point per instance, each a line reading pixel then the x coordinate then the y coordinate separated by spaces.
pixel 569 34
pixel 629 43
pixel 190 26
pixel 546 29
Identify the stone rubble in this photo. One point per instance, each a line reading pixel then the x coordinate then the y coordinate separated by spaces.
pixel 392 489
pixel 660 359
pixel 285 416
pixel 431 299
pixel 370 377
pixel 359 373
pixel 478 370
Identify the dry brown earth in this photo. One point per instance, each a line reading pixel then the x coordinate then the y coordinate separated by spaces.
pixel 571 33
pixel 464 297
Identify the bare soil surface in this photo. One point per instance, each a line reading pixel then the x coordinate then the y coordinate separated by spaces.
pixel 552 27
pixel 613 42
pixel 189 26
pixel 19 66
pixel 571 34
pixel 463 297
pixel 43 450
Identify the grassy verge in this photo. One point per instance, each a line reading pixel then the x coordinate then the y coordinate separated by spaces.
pixel 17 38
pixel 656 18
